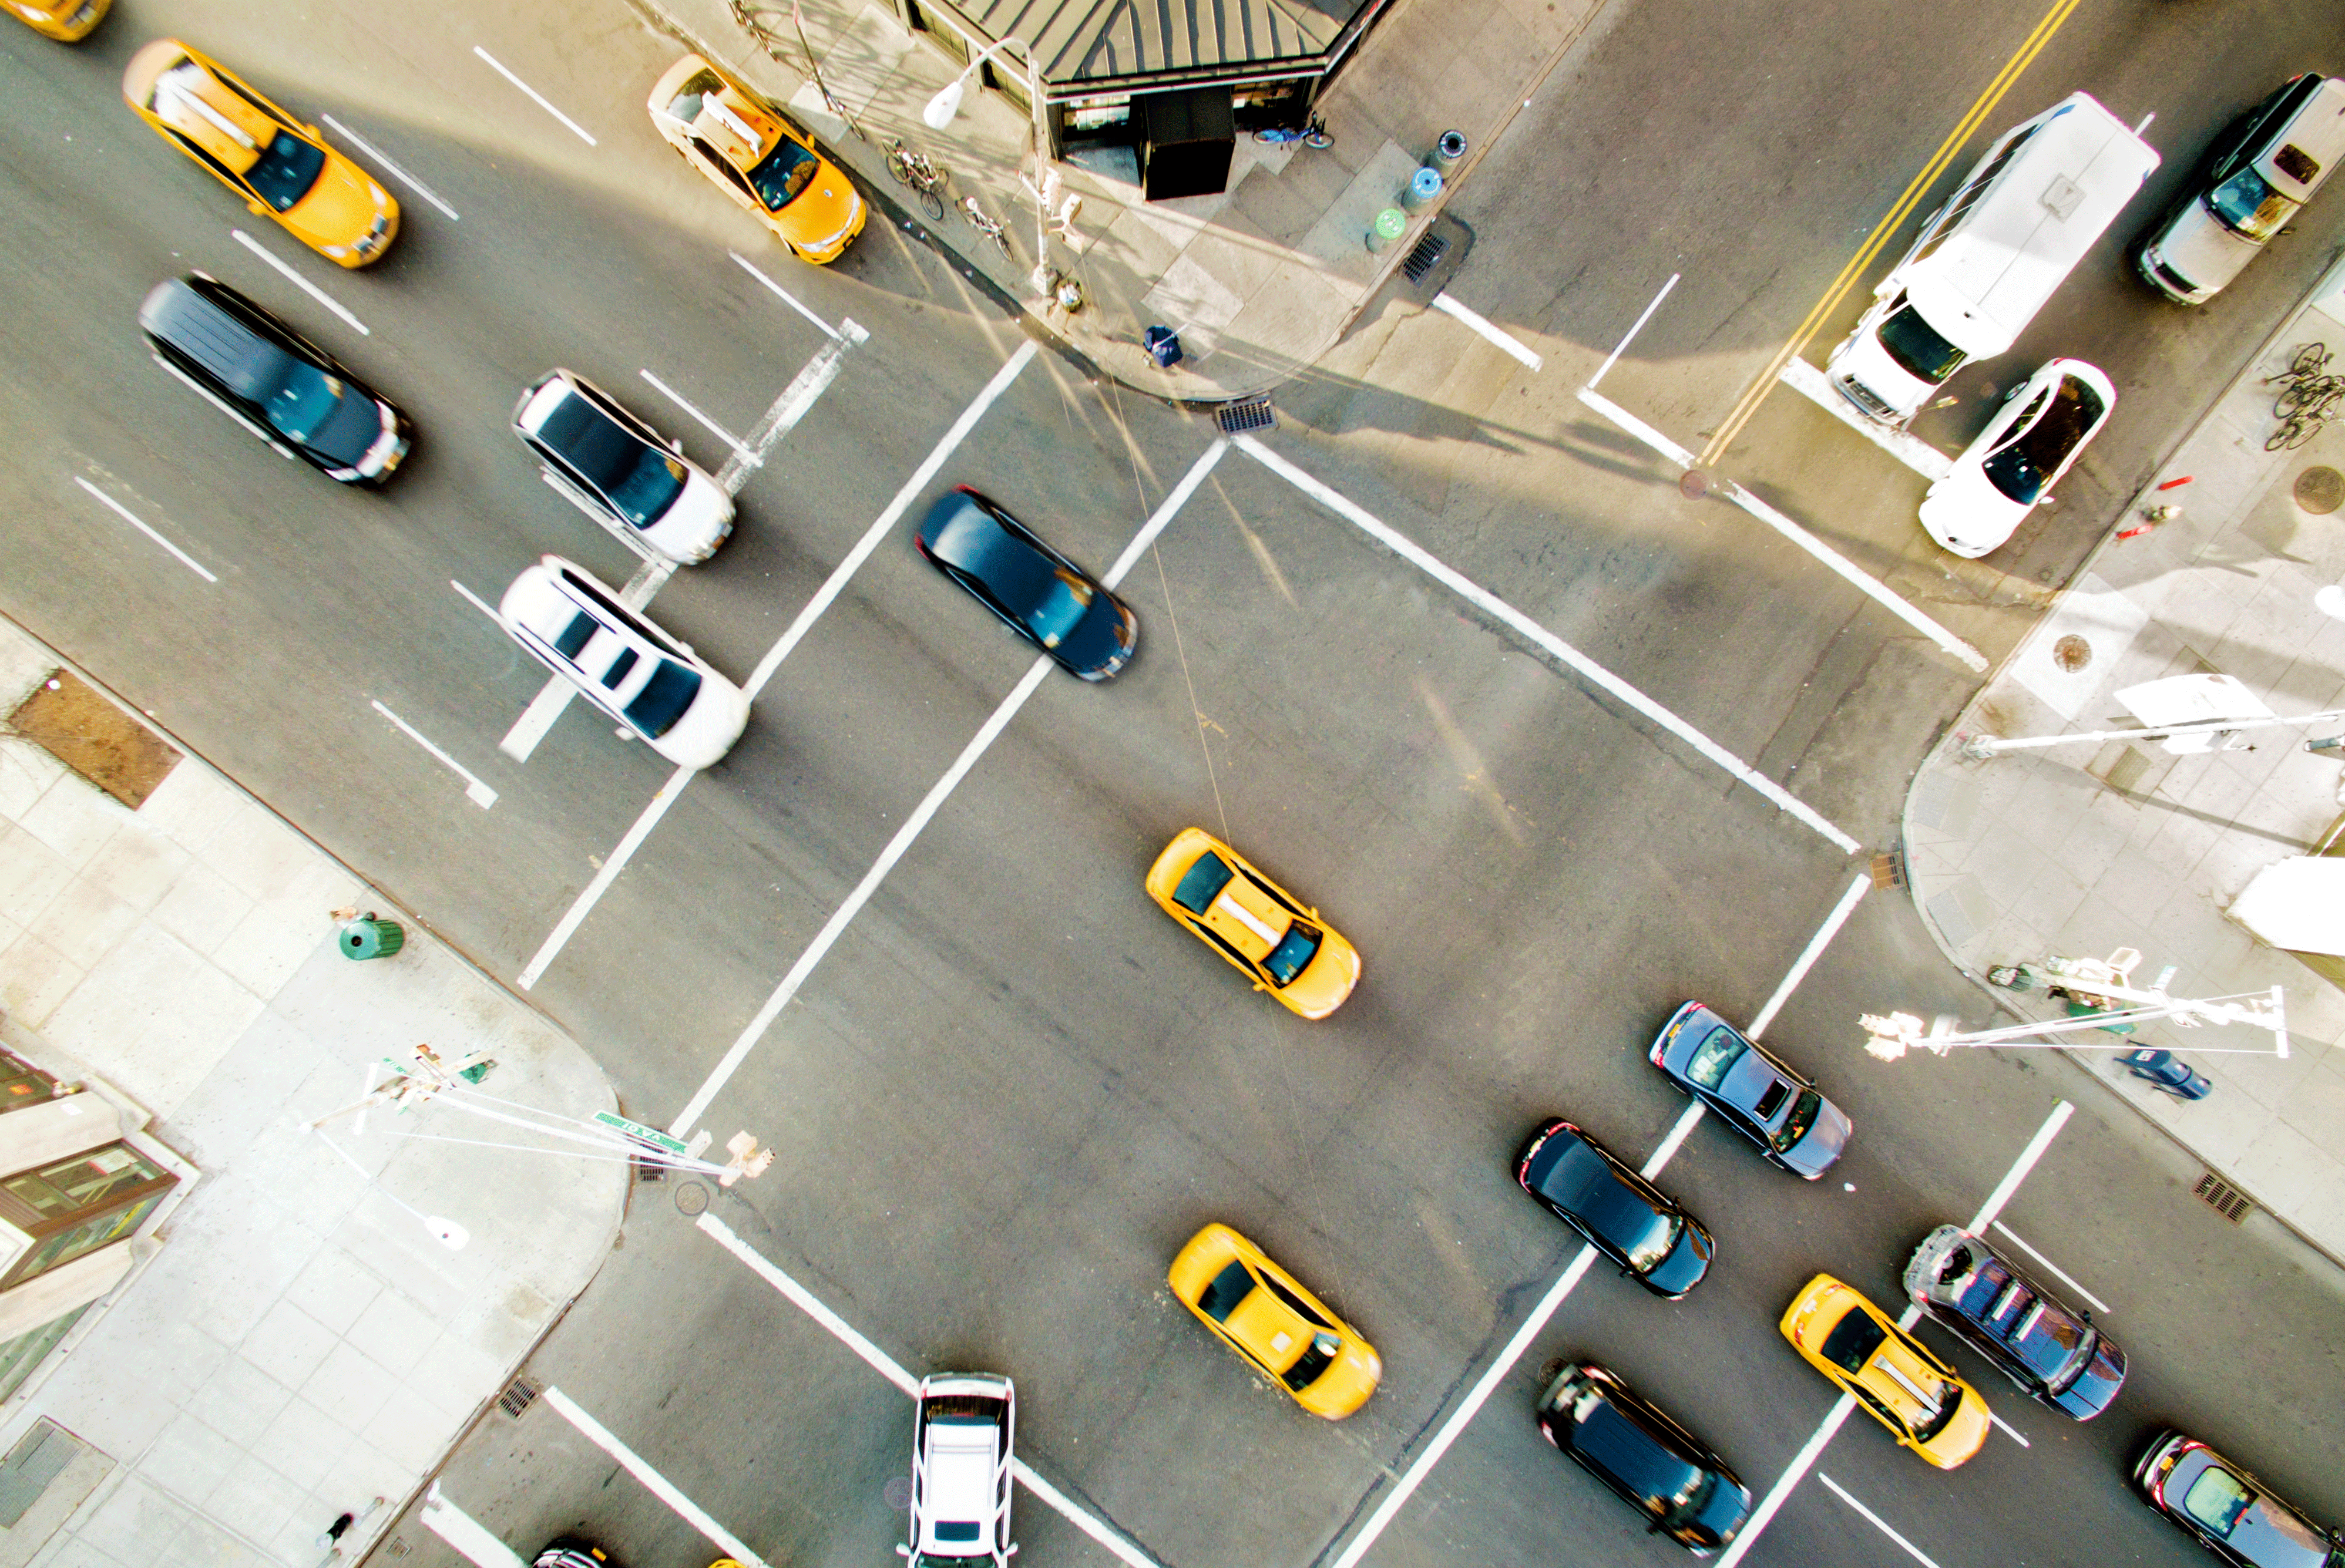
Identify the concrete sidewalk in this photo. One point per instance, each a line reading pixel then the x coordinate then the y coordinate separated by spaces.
pixel 1260 280
pixel 2080 850
pixel 292 1342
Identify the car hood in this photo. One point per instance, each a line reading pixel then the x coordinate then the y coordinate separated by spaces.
pixel 1344 1386
pixel 1327 979
pixel 1963 1436
pixel 694 523
pixel 2195 247
pixel 2095 1387
pixel 1686 1263
pixel 1720 1516
pixel 1816 1153
pixel 351 430
pixel 1863 357
pixel 823 210
pixel 1101 642
pixel 1966 515
pixel 341 206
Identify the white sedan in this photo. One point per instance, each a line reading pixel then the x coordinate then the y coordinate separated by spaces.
pixel 2016 459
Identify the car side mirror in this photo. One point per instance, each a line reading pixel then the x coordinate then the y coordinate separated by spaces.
pixel 675 446
pixel 623 733
pixel 1260 986
pixel 904 1550
pixel 258 210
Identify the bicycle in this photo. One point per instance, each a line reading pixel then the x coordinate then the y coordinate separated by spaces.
pixel 2297 429
pixel 915 171
pixel 990 228
pixel 1313 135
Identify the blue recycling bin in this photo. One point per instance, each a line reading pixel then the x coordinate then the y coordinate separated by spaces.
pixel 2166 1071
pixel 1164 346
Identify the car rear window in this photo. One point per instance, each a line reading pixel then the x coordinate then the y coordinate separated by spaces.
pixel 1714 1056
pixel 1229 1287
pixel 1852 1340
pixel 1202 884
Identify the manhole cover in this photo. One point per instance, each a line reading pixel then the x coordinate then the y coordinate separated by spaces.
pixel 2072 653
pixel 2320 490
pixel 1694 485
pixel 898 1493
pixel 691 1198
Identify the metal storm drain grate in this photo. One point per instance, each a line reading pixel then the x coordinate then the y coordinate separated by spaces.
pixel 1246 414
pixel 1888 871
pixel 1425 256
pixel 2223 1199
pixel 398 1547
pixel 518 1396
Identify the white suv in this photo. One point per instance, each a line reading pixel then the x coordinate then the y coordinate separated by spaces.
pixel 961 1443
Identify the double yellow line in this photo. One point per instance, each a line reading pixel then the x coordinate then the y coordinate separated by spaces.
pixel 1756 393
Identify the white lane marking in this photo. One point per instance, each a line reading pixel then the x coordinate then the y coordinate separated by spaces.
pixel 2009 1431
pixel 2054 1270
pixel 471 1539
pixel 1687 1119
pixel 1808 957
pixel 1498 608
pixel 836 926
pixel 2061 1112
pixel 690 1513
pixel 837 581
pixel 319 295
pixel 1487 329
pixel 1876 1520
pixel 847 328
pixel 1903 445
pixel 1165 512
pixel 1772 1503
pixel 124 513
pixel 782 417
pixel 551 700
pixel 397 173
pixel 498 66
pixel 479 794
pixel 626 849
pixel 477 602
pixel 885 1365
pixel 1622 347
pixel 1839 1413
pixel 1846 570
pixel 719 431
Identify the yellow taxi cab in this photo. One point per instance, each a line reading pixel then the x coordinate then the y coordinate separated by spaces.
pixel 745 145
pixel 1257 925
pixel 67 21
pixel 1893 1376
pixel 280 166
pixel 1260 1311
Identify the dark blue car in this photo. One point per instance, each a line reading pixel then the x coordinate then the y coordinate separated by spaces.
pixel 1756 1092
pixel 1652 1238
pixel 2053 1355
pixel 1038 593
pixel 1655 1466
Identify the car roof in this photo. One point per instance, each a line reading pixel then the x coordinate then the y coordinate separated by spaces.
pixel 1616 1435
pixel 176 312
pixel 188 98
pixel 731 122
pixel 2315 129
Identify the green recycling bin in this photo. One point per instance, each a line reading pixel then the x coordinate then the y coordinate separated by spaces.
pixel 371 936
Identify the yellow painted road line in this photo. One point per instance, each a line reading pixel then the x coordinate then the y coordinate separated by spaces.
pixel 1756 393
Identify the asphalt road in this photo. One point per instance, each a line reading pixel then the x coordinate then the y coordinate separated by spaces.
pixel 1011 1089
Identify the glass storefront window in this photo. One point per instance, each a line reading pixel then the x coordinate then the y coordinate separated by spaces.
pixel 76 1206
pixel 20 1355
pixel 86 1179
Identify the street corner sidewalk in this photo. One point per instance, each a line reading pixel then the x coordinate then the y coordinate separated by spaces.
pixel 294 1341
pixel 1258 281
pixel 2082 849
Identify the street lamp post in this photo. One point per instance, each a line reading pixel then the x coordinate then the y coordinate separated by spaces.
pixel 941 109
pixel 1890 1035
pixel 1979 747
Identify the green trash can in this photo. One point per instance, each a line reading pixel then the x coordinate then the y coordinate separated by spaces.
pixel 1389 226
pixel 371 936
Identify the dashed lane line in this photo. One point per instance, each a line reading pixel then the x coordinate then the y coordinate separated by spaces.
pixel 127 515
pixel 472 1539
pixel 397 173
pixel 1813 951
pixel 479 794
pixel 1486 328
pixel 535 97
pixel 303 284
pixel 1878 1522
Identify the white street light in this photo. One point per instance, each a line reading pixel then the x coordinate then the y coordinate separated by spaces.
pixel 941 109
pixel 1889 1036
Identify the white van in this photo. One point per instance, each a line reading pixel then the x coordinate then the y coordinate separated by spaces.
pixel 2262 170
pixel 1987 260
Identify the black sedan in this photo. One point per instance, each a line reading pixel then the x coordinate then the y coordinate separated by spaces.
pixel 1038 592
pixel 1624 1216
pixel 1655 1465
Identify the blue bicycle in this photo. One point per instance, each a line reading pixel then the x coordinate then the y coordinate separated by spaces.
pixel 1313 135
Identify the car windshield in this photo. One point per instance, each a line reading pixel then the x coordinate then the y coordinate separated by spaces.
pixel 2027 465
pixel 1714 1056
pixel 1950 1400
pixel 1916 347
pixel 1317 1357
pixel 2248 206
pixel 1202 884
pixel 639 478
pixel 1852 1340
pixel 1293 951
pixel 663 698
pixel 288 166
pixel 303 399
pixel 1795 1126
pixel 1061 608
pixel 783 173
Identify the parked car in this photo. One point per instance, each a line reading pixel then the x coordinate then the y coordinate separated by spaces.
pixel 2012 465
pixel 276 383
pixel 1263 1313
pixel 280 166
pixel 964 1434
pixel 619 470
pixel 1038 592
pixel 572 1552
pixel 2051 1354
pixel 659 688
pixel 2169 1073
pixel 749 151
pixel 1629 1219
pixel 1684 1491
pixel 2256 177
pixel 66 21
pixel 1893 1377
pixel 1752 1089
pixel 1279 942
pixel 2230 1513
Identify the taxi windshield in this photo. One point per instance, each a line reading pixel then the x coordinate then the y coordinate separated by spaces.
pixel 286 170
pixel 1293 951
pixel 783 174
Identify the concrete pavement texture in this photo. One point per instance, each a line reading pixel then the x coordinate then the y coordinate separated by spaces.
pixel 2083 849
pixel 1259 280
pixel 299 1344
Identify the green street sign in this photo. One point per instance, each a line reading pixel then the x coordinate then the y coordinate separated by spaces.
pixel 640 1133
